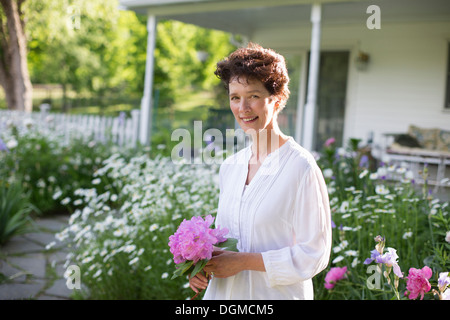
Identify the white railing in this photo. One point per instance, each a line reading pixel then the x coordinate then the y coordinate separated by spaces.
pixel 120 130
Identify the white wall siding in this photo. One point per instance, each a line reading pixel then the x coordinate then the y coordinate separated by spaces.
pixel 405 82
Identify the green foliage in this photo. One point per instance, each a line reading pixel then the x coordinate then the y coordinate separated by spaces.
pixel 178 67
pixel 15 210
pixel 92 47
pixel 70 42
pixel 439 223
pixel 48 168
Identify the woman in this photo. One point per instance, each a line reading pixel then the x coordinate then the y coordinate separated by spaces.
pixel 273 197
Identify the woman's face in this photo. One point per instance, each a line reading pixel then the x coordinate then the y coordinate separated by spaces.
pixel 252 105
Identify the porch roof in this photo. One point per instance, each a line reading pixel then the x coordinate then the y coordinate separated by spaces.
pixel 246 16
pixel 264 20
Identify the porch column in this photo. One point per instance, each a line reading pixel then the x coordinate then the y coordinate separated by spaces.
pixel 301 98
pixel 145 124
pixel 313 79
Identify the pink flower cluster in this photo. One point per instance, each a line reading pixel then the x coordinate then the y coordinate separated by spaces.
pixel 194 240
pixel 333 276
pixel 418 282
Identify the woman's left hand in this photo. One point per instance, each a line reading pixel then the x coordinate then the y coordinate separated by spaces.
pixel 224 263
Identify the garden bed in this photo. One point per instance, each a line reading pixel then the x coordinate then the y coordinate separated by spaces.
pixel 125 206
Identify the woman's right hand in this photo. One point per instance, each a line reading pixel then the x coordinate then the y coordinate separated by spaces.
pixel 198 282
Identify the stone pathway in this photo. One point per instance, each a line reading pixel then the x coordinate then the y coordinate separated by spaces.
pixel 28 270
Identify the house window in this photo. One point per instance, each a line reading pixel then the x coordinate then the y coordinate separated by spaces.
pixel 447 98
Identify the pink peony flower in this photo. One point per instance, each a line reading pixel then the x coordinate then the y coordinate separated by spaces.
pixel 333 276
pixel 194 240
pixel 329 142
pixel 418 282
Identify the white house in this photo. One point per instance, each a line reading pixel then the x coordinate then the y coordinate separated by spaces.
pixel 406 80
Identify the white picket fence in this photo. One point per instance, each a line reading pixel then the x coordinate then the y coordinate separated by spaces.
pixel 120 130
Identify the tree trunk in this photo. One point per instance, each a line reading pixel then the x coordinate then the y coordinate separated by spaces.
pixel 14 76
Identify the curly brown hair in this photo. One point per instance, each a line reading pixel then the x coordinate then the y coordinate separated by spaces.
pixel 256 62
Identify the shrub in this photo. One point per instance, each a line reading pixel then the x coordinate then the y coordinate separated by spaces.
pixel 50 166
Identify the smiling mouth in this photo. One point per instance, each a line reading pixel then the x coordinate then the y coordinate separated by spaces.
pixel 248 120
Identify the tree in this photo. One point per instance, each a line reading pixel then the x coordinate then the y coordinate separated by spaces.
pixel 178 65
pixel 70 44
pixel 92 48
pixel 14 76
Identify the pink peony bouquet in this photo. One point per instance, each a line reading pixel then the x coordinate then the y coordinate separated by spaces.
pixel 193 243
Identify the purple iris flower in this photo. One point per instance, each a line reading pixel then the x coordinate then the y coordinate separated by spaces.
pixel 444 281
pixel 364 162
pixel 3 146
pixel 389 259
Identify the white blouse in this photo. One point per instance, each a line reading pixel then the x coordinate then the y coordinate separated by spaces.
pixel 284 214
